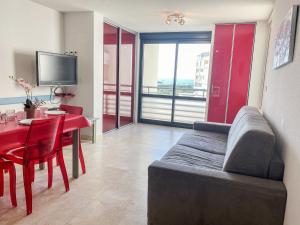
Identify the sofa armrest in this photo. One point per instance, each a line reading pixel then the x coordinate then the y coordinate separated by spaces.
pixel 212 127
pixel 180 194
pixel 276 167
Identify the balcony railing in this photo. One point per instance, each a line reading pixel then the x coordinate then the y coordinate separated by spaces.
pixel 185 111
pixel 179 91
pixel 109 100
pixel 154 108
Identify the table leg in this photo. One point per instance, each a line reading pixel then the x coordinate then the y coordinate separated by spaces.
pixel 75 150
pixel 94 132
pixel 41 166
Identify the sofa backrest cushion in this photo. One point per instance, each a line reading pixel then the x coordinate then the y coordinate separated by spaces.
pixel 250 144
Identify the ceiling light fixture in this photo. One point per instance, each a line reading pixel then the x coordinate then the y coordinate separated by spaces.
pixel 175 17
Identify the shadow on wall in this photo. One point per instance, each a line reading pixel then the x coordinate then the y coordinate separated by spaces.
pixel 25 66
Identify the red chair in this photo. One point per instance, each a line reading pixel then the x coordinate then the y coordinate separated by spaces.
pixel 8 166
pixel 68 137
pixel 43 143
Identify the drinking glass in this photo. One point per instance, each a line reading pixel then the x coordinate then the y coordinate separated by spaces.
pixel 10 114
pixel 20 115
pixel 42 111
pixel 3 118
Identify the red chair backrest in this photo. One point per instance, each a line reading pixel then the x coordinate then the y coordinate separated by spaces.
pixel 77 110
pixel 44 139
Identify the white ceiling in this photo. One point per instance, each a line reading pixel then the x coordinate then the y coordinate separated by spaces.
pixel 148 15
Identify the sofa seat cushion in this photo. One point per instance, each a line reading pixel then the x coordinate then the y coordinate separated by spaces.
pixel 205 141
pixel 192 157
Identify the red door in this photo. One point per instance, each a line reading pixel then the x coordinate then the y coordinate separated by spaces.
pixel 231 68
pixel 220 73
pixel 241 69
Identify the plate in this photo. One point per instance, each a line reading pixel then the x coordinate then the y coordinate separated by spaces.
pixel 55 112
pixel 26 122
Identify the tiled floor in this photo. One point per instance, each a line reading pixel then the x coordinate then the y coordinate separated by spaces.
pixel 114 190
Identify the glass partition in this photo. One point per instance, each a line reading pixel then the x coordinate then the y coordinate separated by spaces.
pixel 110 72
pixel 127 67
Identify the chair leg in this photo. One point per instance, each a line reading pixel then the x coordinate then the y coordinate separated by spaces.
pixel 50 173
pixel 81 158
pixel 57 163
pixel 32 172
pixel 1 183
pixel 12 185
pixel 27 187
pixel 63 169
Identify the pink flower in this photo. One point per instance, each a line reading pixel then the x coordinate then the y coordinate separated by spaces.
pixel 20 81
pixel 24 84
pixel 27 87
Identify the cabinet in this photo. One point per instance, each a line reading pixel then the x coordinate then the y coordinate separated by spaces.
pixel 231 69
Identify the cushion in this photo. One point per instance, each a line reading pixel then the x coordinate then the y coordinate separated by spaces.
pixel 205 141
pixel 250 144
pixel 187 156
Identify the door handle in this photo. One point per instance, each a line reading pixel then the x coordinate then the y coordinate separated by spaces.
pixel 215 91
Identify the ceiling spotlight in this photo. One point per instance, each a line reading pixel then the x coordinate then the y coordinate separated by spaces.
pixel 176 18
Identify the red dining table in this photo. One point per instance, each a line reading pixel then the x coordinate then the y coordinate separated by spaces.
pixel 13 135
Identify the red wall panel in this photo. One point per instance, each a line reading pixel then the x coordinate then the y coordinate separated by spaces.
pixel 241 69
pixel 110 34
pixel 220 73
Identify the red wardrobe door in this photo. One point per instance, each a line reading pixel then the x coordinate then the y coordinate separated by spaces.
pixel 241 69
pixel 220 73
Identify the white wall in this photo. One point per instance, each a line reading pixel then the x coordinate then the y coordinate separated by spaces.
pixel 281 107
pixel 258 64
pixel 98 70
pixel 26 27
pixel 84 33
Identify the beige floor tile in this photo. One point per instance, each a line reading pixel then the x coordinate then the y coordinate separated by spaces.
pixel 114 190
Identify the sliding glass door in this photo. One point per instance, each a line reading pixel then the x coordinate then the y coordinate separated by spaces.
pixel 191 82
pixel 174 78
pixel 127 68
pixel 118 77
pixel 158 81
pixel 110 77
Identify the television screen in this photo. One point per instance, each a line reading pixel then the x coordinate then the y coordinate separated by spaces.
pixel 56 69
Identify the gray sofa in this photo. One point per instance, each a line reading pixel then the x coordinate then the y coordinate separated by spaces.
pixel 220 175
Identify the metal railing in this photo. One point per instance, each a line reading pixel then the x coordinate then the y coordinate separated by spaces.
pixel 179 91
pixel 186 111
pixel 109 99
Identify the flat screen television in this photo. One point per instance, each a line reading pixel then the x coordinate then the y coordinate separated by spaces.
pixel 56 69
